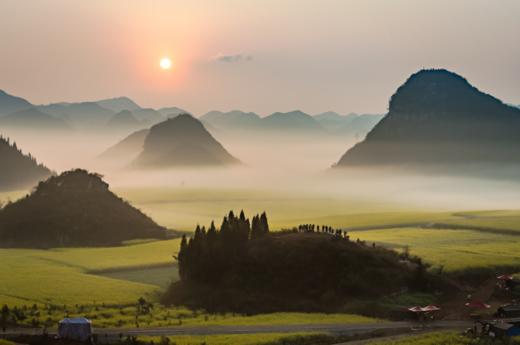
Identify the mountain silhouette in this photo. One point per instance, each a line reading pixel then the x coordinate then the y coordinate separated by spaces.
pixel 235 119
pixel 172 111
pixel 10 104
pixel 331 120
pixel 123 120
pixel 84 115
pixel 436 117
pixel 75 208
pixel 291 121
pixel 33 118
pixel 18 170
pixel 118 104
pixel 348 125
pixel 182 141
pixel 148 115
pixel 358 126
pixel 128 148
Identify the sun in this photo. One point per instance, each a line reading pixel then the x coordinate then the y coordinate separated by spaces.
pixel 165 63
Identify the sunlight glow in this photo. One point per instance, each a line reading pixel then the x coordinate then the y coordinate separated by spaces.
pixel 165 63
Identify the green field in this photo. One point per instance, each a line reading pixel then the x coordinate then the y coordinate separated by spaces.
pixel 437 338
pixel 501 219
pixel 105 316
pixel 235 339
pixel 454 249
pixel 118 276
pixel 183 208
pixel 67 275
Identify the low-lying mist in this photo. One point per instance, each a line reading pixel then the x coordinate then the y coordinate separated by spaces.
pixel 295 165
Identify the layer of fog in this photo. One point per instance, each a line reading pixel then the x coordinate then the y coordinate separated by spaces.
pixel 285 164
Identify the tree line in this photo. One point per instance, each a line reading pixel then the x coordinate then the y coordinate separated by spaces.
pixel 210 253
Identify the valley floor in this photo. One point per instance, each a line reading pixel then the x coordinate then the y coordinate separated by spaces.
pixel 110 280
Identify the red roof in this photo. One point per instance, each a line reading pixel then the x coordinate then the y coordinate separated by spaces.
pixel 415 309
pixel 431 307
pixel 477 305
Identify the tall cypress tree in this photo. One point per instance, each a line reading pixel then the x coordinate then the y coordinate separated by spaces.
pixel 264 225
pixel 181 258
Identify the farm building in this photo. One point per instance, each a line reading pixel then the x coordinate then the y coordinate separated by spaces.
pixel 78 328
pixel 503 330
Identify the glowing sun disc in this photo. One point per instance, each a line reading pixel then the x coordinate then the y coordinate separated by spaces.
pixel 165 63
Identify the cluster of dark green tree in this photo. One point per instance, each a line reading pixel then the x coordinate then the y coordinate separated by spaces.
pixel 18 169
pixel 16 316
pixel 242 267
pixel 208 255
pixel 75 208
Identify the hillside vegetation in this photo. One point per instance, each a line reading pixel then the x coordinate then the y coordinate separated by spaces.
pixel 244 267
pixel 18 170
pixel 75 208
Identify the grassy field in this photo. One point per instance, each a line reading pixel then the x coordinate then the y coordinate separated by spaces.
pixel 502 219
pixel 235 339
pixel 454 249
pixel 160 316
pixel 182 209
pixel 6 342
pixel 118 276
pixel 160 276
pixel 66 276
pixel 437 338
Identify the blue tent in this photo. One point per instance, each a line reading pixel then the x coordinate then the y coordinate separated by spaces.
pixel 78 328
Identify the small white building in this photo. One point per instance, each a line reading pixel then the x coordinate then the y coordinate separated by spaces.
pixel 78 328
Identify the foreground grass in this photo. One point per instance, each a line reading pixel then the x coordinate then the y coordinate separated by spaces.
pixel 453 249
pixel 235 339
pixel 160 316
pixel 439 338
pixel 120 275
pixel 63 276
pixel 6 342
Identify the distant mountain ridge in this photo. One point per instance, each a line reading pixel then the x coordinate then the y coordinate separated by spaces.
pixel 81 115
pixel 32 117
pixel 235 119
pixel 123 120
pixel 10 104
pixel 292 122
pixel 171 111
pixel 103 114
pixel 437 117
pixel 18 170
pixel 118 104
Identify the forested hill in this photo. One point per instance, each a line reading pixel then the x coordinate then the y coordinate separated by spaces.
pixel 182 141
pixel 243 267
pixel 75 208
pixel 18 170
pixel 437 117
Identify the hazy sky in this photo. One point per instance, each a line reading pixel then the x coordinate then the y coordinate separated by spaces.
pixel 255 55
